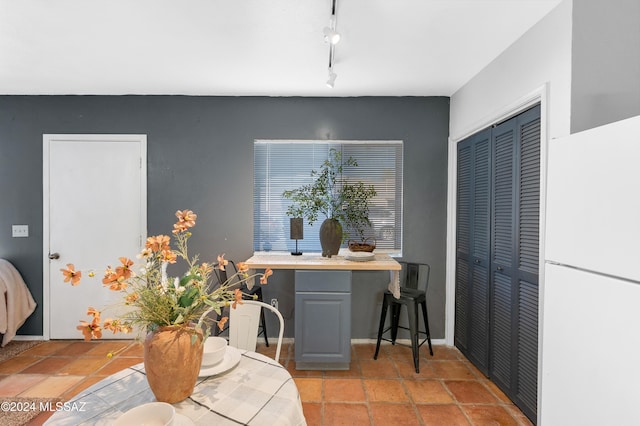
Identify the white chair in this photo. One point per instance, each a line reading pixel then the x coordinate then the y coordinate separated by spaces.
pixel 243 325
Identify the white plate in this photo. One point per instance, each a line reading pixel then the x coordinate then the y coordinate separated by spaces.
pixel 360 256
pixel 182 420
pixel 231 359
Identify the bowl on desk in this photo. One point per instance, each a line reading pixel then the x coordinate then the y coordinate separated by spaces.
pixel 214 349
pixel 153 413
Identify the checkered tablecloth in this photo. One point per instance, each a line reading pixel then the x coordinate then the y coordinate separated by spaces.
pixel 258 391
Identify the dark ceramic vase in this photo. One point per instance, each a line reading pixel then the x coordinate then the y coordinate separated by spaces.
pixel 330 237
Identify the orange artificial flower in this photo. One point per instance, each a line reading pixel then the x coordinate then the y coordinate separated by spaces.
pixel 109 276
pixel 168 256
pixel 131 298
pixel 242 267
pixel 186 220
pixel 187 217
pixel 222 262
pixel 118 284
pixel 124 270
pixel 159 242
pixel 90 330
pixel 205 268
pixel 116 326
pixel 222 322
pixel 237 295
pixel 70 274
pixel 146 253
pixel 92 311
pixel 267 273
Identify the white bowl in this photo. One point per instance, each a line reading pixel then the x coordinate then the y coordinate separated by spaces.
pixel 214 349
pixel 151 414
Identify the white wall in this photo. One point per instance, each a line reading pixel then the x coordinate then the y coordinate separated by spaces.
pixel 541 56
pixel 605 85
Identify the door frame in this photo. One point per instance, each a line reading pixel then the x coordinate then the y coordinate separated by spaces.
pixel 46 141
pixel 540 96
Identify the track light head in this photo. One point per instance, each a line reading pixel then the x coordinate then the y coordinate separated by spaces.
pixel 331 36
pixel 332 79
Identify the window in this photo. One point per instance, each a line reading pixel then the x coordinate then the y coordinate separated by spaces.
pixel 284 165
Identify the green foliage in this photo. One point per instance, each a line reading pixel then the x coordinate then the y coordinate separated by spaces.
pixel 333 196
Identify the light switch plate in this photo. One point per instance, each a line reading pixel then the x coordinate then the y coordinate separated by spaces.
pixel 19 231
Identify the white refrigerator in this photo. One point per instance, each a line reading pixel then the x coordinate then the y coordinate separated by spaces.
pixel 590 322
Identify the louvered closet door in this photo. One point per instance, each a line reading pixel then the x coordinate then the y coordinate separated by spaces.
pixel 472 258
pixel 527 273
pixel 514 258
pixel 503 246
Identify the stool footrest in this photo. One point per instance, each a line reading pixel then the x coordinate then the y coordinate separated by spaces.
pixel 403 344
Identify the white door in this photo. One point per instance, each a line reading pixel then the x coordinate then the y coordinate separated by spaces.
pixel 94 212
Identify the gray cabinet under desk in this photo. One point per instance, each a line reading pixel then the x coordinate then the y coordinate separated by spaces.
pixel 323 320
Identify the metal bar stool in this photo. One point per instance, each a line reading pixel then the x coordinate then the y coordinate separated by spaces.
pixel 414 279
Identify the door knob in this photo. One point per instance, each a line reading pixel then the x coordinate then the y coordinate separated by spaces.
pixel 499 268
pixel 54 256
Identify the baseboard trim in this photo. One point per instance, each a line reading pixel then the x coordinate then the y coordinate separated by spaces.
pixel 27 338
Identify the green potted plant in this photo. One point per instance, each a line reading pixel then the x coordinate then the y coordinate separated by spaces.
pixel 343 203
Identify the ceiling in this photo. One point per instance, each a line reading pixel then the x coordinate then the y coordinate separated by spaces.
pixel 253 47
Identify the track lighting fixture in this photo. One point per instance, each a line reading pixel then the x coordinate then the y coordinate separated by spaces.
pixel 332 79
pixel 332 37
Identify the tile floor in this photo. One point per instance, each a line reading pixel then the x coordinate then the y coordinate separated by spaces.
pixel 447 391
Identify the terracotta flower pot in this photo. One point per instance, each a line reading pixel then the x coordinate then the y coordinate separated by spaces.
pixel 172 362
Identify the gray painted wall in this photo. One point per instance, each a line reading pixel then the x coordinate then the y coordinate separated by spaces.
pixel 200 156
pixel 605 62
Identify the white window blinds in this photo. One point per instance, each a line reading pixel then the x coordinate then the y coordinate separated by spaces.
pixel 286 165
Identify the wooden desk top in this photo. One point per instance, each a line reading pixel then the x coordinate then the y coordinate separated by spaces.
pixel 382 262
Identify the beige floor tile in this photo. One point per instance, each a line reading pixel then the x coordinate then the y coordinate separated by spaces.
pixel 428 392
pixel 105 347
pixel 342 414
pixel 46 348
pixel 51 387
pixel 470 392
pixel 453 370
pixel 310 389
pixel 118 364
pixel 394 414
pixel 385 391
pixel 312 413
pixel 344 390
pixel 48 365
pixel 489 415
pixel 18 363
pixel 17 383
pixel 380 368
pixel 439 415
pixel 84 366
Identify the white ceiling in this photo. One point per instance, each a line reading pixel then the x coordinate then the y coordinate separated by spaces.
pixel 253 47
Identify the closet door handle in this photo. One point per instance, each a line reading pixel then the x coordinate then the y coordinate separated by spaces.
pixel 499 268
pixel 477 261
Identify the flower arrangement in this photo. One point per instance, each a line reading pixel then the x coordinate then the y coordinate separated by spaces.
pixel 154 300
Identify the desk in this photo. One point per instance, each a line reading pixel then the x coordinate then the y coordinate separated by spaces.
pixel 258 391
pixel 322 327
pixel 314 261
